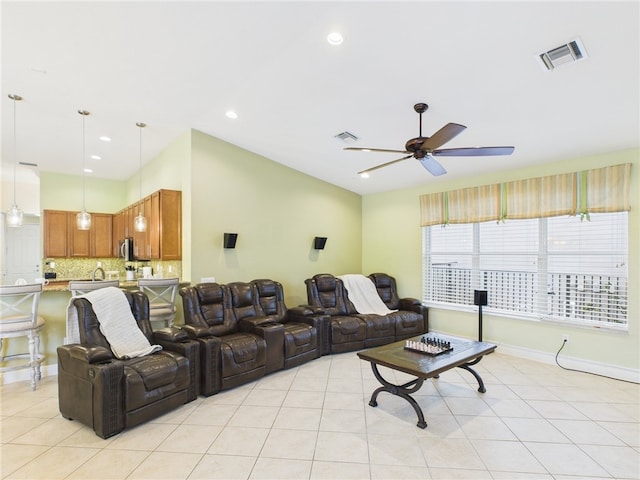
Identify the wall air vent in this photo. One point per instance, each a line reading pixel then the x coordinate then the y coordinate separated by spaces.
pixel 346 137
pixel 570 52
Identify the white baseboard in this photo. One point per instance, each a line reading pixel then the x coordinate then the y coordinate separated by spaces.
pixel 24 375
pixel 614 371
pixel 589 366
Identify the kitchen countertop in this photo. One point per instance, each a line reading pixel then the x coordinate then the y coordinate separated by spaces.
pixel 62 285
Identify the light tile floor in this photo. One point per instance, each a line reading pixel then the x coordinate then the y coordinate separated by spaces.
pixel 535 421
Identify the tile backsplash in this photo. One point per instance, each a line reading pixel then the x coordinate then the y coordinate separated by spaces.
pixel 82 268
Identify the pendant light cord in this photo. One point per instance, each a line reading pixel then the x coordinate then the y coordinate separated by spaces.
pixel 140 165
pixel 140 125
pixel 15 151
pixel 15 98
pixel 83 159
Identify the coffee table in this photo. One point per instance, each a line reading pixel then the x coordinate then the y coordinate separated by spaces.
pixel 463 354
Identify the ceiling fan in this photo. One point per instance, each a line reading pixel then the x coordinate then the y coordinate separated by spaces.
pixel 424 149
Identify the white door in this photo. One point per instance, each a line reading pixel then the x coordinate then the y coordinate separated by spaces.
pixel 21 253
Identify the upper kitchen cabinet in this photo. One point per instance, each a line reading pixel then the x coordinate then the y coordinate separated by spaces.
pixel 54 226
pixel 171 225
pixel 63 239
pixel 163 210
pixel 163 238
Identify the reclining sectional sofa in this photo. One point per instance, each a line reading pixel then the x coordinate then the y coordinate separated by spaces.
pixel 246 331
pixel 233 334
pixel 348 330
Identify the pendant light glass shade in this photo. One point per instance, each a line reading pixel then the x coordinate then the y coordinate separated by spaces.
pixel 14 214
pixel 83 219
pixel 140 222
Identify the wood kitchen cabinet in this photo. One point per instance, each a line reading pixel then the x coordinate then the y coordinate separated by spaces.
pixel 118 233
pixel 163 237
pixel 63 239
pixel 169 221
pixel 54 224
pixel 101 234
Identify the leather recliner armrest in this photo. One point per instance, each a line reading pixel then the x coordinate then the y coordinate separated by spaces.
pixel 170 334
pixel 90 353
pixel 249 324
pixel 196 331
pixel 302 310
pixel 407 303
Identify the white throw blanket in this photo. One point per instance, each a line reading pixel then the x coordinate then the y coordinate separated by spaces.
pixel 117 323
pixel 363 294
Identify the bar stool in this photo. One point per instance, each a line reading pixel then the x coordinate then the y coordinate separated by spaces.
pixel 162 298
pixel 19 318
pixel 80 287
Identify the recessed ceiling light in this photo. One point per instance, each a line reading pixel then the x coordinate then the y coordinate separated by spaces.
pixel 96 157
pixel 231 114
pixel 104 138
pixel 364 175
pixel 335 38
pixel 88 170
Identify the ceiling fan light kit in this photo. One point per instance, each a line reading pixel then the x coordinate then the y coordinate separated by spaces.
pixel 425 149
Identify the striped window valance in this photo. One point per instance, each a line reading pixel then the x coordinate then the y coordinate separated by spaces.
pixel 599 190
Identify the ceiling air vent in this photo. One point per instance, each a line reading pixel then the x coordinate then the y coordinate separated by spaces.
pixel 570 52
pixel 346 137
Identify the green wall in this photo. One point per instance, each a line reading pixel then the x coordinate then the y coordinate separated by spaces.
pixel 392 242
pixel 64 192
pixel 276 212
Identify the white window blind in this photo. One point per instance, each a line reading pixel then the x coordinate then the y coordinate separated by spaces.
pixel 557 268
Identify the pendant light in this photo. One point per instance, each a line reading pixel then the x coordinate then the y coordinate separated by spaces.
pixel 14 214
pixel 140 222
pixel 83 219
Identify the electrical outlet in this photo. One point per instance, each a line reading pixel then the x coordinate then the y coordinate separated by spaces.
pixel 565 337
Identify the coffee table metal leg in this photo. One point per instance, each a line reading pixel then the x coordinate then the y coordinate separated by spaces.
pixel 403 391
pixel 467 367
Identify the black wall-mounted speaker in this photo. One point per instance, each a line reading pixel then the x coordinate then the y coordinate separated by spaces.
pixel 318 243
pixel 230 240
pixel 480 297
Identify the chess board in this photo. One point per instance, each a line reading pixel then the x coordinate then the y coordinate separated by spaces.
pixel 428 346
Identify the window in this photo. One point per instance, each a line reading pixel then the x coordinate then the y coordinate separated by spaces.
pixel 556 268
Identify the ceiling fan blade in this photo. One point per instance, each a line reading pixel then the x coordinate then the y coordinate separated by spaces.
pixel 384 165
pixel 432 165
pixel 442 136
pixel 365 149
pixel 473 151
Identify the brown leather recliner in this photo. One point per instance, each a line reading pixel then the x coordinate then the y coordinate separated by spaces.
pixel 326 295
pixel 411 318
pixel 301 328
pixel 233 352
pixel 109 394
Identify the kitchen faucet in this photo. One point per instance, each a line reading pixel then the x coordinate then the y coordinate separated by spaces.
pixel 93 276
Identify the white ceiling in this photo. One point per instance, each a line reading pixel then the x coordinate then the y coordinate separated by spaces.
pixel 180 65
